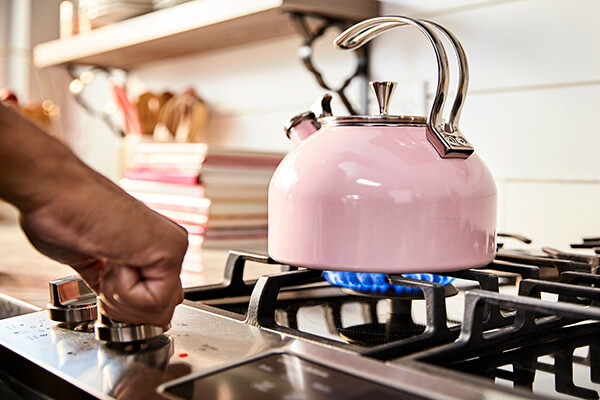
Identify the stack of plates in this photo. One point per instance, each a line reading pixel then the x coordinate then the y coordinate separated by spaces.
pixel 158 4
pixel 104 12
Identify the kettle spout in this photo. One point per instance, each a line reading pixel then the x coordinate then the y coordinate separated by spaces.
pixel 302 126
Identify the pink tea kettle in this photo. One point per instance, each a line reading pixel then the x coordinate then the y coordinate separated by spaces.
pixel 384 193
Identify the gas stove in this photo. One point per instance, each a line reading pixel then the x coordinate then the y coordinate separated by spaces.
pixel 525 326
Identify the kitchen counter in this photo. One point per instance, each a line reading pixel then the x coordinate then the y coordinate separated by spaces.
pixel 24 272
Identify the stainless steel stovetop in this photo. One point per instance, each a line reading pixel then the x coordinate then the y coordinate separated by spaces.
pixel 215 351
pixel 200 342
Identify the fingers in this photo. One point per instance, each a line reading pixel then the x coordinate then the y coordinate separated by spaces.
pixel 128 295
pixel 90 273
pixel 152 241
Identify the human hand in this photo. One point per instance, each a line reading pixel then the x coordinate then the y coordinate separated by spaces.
pixel 128 254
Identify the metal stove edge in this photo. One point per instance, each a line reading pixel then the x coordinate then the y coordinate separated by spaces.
pixel 95 368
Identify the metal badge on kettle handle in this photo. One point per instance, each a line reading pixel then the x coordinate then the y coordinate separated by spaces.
pixel 445 137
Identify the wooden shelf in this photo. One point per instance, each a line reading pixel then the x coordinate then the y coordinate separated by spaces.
pixel 189 28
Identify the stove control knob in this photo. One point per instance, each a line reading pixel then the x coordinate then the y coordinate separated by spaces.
pixel 71 301
pixel 120 332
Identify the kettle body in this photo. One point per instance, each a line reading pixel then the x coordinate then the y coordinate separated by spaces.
pixel 380 200
pixel 384 193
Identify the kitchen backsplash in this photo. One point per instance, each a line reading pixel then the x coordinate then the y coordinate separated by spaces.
pixel 533 96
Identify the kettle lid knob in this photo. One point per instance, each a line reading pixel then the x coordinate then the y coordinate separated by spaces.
pixel 383 93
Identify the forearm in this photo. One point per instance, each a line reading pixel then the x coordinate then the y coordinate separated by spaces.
pixel 129 254
pixel 33 164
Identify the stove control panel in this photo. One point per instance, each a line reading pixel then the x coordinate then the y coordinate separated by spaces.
pixel 74 305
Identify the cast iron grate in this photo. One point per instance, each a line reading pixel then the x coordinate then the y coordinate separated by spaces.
pixel 553 330
pixel 258 302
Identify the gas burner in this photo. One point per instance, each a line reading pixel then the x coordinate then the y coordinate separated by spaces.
pixel 398 322
pixel 413 294
pixel 372 283
pixel 377 333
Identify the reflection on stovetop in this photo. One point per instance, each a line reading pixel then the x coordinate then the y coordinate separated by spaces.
pixel 521 320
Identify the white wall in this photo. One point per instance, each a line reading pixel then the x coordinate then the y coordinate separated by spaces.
pixel 534 93
pixel 4 19
pixel 89 138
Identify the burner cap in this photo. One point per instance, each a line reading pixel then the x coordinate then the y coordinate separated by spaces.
pixel 366 282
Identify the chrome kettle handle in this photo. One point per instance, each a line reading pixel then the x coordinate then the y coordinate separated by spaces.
pixel 446 138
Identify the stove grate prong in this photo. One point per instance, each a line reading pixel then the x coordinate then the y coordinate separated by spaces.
pixel 233 283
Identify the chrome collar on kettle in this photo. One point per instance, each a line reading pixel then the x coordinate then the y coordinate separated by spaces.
pixel 374 120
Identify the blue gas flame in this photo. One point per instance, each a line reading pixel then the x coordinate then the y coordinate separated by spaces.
pixel 378 283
